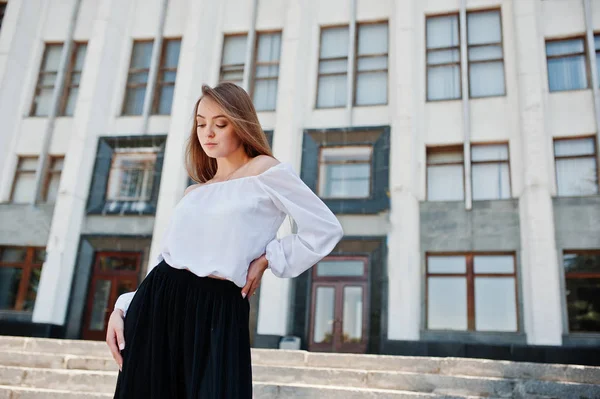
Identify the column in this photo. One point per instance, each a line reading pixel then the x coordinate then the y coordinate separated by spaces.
pixel 404 271
pixel 92 119
pixel 274 305
pixel 539 264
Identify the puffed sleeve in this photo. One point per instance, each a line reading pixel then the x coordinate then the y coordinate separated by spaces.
pixel 318 228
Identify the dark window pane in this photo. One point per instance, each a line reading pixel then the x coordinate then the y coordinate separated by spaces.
pixel 99 307
pixel 114 263
pixel 582 263
pixel 39 256
pixel 32 287
pixel 583 304
pixel 10 277
pixel 13 255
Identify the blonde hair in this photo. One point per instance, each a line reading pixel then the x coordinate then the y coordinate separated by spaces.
pixel 239 110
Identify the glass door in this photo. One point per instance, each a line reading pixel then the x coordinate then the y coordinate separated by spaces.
pixel 114 273
pixel 339 310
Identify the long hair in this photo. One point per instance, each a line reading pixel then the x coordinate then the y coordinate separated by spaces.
pixel 239 110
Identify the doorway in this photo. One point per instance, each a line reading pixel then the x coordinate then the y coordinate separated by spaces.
pixel 339 305
pixel 114 273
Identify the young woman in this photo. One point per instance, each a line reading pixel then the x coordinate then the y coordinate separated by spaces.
pixel 184 332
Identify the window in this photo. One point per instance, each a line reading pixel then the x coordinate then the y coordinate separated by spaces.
pixel 443 58
pixel 471 292
pixel 165 86
pixel 127 175
pixel 2 11
pixel 20 270
pixel 445 174
pixel 46 80
pixel 345 172
pixel 567 68
pixel 266 71
pixel 137 78
pixel 131 176
pixel 24 183
pixel 486 59
pixel 73 79
pixel 349 168
pixel 597 47
pixel 234 59
pixel 576 166
pixel 53 178
pixel 582 274
pixel 371 64
pixel 490 172
pixel 333 68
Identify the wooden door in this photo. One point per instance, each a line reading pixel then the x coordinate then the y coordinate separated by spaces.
pixel 114 273
pixel 339 306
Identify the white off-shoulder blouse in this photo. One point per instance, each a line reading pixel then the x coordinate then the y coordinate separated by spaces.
pixel 220 228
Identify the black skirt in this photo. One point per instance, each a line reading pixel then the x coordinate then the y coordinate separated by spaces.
pixel 186 337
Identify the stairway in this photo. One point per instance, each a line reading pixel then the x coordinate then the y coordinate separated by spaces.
pixel 39 368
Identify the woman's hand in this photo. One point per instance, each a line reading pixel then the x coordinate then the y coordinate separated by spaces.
pixel 114 336
pixel 255 272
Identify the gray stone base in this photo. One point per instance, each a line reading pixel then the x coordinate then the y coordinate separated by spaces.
pixel 266 341
pixel 588 356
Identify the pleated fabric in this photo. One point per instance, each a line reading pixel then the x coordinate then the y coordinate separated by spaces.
pixel 186 337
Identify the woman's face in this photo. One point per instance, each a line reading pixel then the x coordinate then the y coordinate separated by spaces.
pixel 212 126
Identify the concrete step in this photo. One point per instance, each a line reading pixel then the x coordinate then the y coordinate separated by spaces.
pixel 391 380
pixel 105 382
pixel 264 390
pixel 9 392
pixel 261 391
pixel 76 364
pixel 94 351
pixel 262 357
pixel 59 379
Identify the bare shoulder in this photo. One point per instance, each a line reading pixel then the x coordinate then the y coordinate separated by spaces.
pixel 263 162
pixel 190 188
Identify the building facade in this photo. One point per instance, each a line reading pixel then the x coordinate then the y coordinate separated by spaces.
pixel 456 141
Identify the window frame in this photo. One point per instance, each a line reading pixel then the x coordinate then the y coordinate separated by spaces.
pixel 50 172
pixel 162 69
pixel 594 156
pixel 507 162
pixel 469 276
pixel 501 44
pixel 3 5
pixel 18 172
pixel 256 64
pixel 27 265
pixel 41 73
pixel 322 163
pixel 577 276
pixel 319 60
pixel 443 149
pixel 131 71
pixel 222 66
pixel 596 34
pixel 357 57
pixel 68 86
pixel 428 50
pixel 585 60
pixel 149 169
